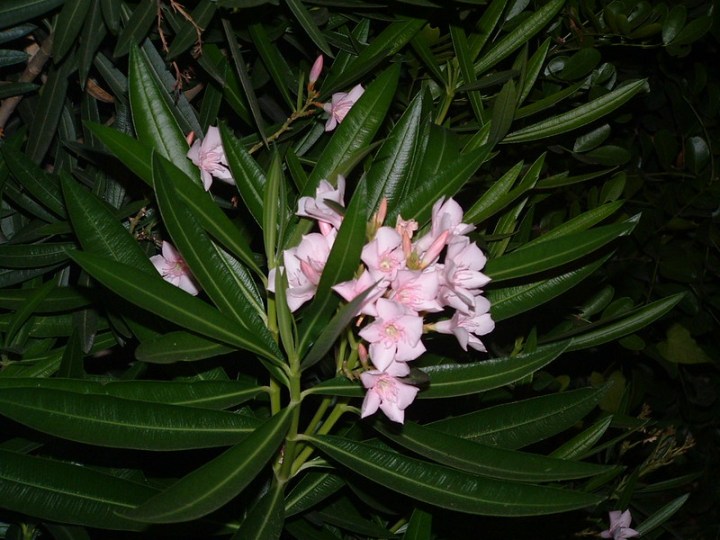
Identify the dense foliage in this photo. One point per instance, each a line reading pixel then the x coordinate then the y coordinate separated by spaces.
pixel 223 394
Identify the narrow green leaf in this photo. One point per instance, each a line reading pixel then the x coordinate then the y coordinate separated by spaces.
pixel 34 255
pixel 662 515
pixel 44 187
pixel 111 14
pixel 99 231
pixel 68 25
pixel 249 177
pixel 136 27
pixel 486 27
pixel 488 461
pixel 583 442
pixel 578 117
pixel 521 423
pixel 276 65
pixel 420 526
pixel 447 488
pixel 511 301
pixel 401 150
pixel 503 112
pixel 196 393
pixel 155 125
pixel 212 485
pixel 28 483
pixel 265 519
pixel 204 261
pixel 341 265
pixel 123 423
pixel 534 66
pixel 13 12
pixel 308 24
pixel 579 223
pixel 393 38
pixel 448 182
pixel 242 73
pixel 16 89
pixel 494 197
pixel 157 296
pixel 273 207
pixel 547 102
pixel 630 322
pixel 448 380
pixel 71 364
pixel 59 299
pixel 519 35
pixel 312 488
pixel 48 111
pixel 92 36
pixel 556 252
pixel 465 63
pixel 178 347
pixel 23 314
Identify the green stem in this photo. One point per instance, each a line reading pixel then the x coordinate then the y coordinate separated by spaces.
pixel 339 409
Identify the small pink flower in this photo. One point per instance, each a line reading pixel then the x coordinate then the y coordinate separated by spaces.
pixel 350 289
pixel 208 154
pixel 340 105
pixel 620 526
pixel 173 269
pixel 446 216
pixel 303 265
pixel 462 279
pixel 315 71
pixel 394 335
pixel 417 290
pixel 467 327
pixel 317 207
pixel 387 392
pixel 384 255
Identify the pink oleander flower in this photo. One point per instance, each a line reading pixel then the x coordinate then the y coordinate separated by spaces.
pixel 173 269
pixel 467 327
pixel 303 265
pixel 417 290
pixel 317 207
pixel 315 71
pixel 384 256
pixel 387 392
pixel 340 105
pixel 208 154
pixel 394 335
pixel 350 289
pixel 620 526
pixel 446 216
pixel 462 279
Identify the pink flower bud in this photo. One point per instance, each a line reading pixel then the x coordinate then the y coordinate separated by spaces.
pixel 316 70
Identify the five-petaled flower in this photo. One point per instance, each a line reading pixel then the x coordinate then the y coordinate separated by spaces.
pixel 340 105
pixel 173 269
pixel 620 526
pixel 387 392
pixel 208 154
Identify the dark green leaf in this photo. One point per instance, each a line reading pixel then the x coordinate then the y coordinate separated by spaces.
pixel 16 89
pixel 187 36
pixel 312 488
pixel 249 177
pixel 276 65
pixel 123 423
pixel 136 27
pixel 265 519
pixel 34 255
pixel 212 485
pixel 308 24
pixel 68 25
pixel 28 483
pixel 178 347
pixel 447 488
pixel 44 187
pixel 13 12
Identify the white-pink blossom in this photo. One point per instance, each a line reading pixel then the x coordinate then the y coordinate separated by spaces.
pixel 466 327
pixel 447 215
pixel 318 208
pixel 303 266
pixel 387 392
pixel 384 256
pixel 620 526
pixel 350 289
pixel 417 290
pixel 462 279
pixel 393 335
pixel 173 269
pixel 208 154
pixel 340 105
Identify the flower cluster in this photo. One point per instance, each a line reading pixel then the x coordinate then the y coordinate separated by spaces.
pixel 405 280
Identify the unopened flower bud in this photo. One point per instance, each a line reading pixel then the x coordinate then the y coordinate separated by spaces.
pixel 315 71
